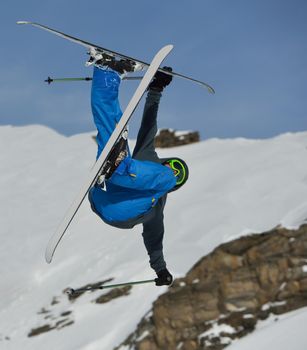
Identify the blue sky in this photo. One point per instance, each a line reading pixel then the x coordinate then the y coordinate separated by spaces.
pixel 254 53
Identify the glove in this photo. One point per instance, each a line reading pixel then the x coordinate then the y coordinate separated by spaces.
pixel 164 278
pixel 160 80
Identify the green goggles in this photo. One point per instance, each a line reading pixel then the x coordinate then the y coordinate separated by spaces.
pixel 179 169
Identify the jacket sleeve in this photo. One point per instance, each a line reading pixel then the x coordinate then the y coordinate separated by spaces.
pixel 153 232
pixel 105 104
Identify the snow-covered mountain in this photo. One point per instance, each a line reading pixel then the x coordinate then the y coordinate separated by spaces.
pixel 236 186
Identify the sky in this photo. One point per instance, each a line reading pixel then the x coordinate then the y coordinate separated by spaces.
pixel 253 53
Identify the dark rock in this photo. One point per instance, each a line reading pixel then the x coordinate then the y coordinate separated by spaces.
pixel 113 294
pixel 66 313
pixel 171 138
pixel 41 330
pixel 4 337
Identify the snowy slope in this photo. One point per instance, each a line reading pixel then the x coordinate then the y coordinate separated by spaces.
pixel 236 187
pixel 281 333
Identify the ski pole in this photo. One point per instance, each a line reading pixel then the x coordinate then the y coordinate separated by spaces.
pixel 71 291
pixel 51 80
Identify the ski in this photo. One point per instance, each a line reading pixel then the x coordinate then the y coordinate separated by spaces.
pixel 99 165
pixel 112 53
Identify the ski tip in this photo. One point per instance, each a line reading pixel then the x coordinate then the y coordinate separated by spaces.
pixel 165 50
pixel 211 90
pixel 23 22
pixel 48 256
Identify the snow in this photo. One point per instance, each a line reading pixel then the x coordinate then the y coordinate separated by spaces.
pixel 236 186
pixel 270 305
pixel 281 333
pixel 247 316
pixel 216 330
pixel 180 133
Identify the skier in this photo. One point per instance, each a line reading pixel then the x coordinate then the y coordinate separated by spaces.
pixel 136 189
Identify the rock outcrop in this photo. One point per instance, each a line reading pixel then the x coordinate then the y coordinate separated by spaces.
pixel 227 292
pixel 171 138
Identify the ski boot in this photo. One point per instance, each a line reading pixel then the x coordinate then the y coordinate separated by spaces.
pixel 117 155
pixel 122 66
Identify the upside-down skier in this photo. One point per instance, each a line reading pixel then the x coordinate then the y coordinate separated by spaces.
pixel 135 190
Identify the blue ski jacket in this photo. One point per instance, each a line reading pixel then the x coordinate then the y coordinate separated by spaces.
pixel 136 185
pixel 133 189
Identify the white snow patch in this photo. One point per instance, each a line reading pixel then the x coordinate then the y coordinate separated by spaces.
pixel 179 346
pixel 269 305
pixel 143 336
pixel 282 286
pixel 182 133
pixel 216 329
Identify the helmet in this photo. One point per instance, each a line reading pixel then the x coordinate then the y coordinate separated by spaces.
pixel 180 170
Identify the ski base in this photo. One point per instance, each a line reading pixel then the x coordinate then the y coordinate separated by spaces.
pixel 114 54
